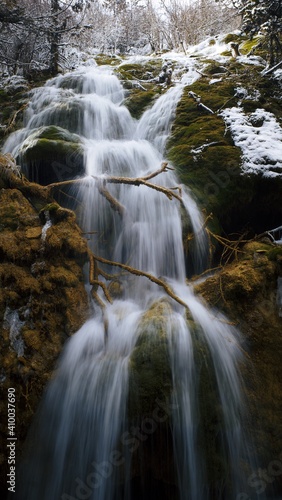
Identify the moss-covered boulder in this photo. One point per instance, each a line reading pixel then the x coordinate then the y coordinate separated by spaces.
pixel 140 80
pixel 150 386
pixel 51 154
pixel 246 290
pixel 42 298
pixel 149 363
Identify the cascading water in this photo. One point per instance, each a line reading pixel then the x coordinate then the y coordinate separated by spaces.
pixel 78 453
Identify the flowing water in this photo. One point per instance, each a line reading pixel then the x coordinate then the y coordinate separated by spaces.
pixel 77 452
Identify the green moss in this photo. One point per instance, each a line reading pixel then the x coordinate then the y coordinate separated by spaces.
pixel 275 254
pixel 55 133
pixel 226 53
pixel 54 150
pixel 62 276
pixel 214 68
pixel 150 375
pixel 233 37
pixel 204 155
pixel 14 277
pixel 146 71
pixel 250 44
pixel 52 154
pixel 139 100
pixel 15 211
pixel 105 59
pixel 206 159
pixel 52 208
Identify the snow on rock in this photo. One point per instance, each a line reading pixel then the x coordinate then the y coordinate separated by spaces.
pixel 259 136
pixel 254 60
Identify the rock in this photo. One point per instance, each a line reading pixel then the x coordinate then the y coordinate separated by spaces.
pixel 248 295
pixel 42 297
pixel 51 154
pixel 149 398
pixel 33 232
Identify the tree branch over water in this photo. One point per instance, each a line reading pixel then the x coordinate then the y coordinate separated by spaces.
pixel 133 181
pixel 138 272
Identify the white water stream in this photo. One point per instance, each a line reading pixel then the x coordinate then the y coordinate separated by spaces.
pixel 76 451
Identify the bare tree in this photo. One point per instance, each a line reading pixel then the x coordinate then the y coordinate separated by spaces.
pixel 32 32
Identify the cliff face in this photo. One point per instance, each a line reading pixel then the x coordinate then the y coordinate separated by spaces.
pixel 42 297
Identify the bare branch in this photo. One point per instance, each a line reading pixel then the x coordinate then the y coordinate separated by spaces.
pixel 118 207
pixel 138 181
pixel 152 278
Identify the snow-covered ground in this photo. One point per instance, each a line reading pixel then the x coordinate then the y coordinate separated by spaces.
pixel 259 136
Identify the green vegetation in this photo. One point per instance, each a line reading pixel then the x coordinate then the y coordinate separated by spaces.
pixel 51 154
pixel 150 376
pixel 204 154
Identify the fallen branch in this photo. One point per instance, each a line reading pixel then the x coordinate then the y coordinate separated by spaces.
pixel 133 181
pixel 270 234
pixel 270 70
pixel 115 204
pixel 137 272
pixel 200 105
pixel 12 121
pixel 202 74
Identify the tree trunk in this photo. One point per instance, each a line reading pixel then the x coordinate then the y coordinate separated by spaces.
pixel 54 38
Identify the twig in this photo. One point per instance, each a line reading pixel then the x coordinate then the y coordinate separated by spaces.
pixel 13 119
pixel 133 181
pixel 115 204
pixel 152 278
pixel 200 105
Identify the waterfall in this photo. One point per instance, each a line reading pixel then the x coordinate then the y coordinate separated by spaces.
pixel 75 450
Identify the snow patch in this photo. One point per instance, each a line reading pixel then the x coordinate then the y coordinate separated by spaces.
pixel 259 136
pixel 215 80
pixel 254 60
pixel 13 323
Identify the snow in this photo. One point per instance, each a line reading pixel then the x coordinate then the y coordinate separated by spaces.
pixel 254 60
pixel 212 46
pixel 259 136
pixel 13 323
pixel 215 80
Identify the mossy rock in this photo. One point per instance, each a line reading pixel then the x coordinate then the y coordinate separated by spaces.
pixel 51 154
pixel 106 59
pixel 56 133
pixel 248 295
pixel 150 374
pixel 234 37
pixel 139 100
pixel 54 212
pixel 42 296
pixel 250 44
pixel 15 211
pixel 145 71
